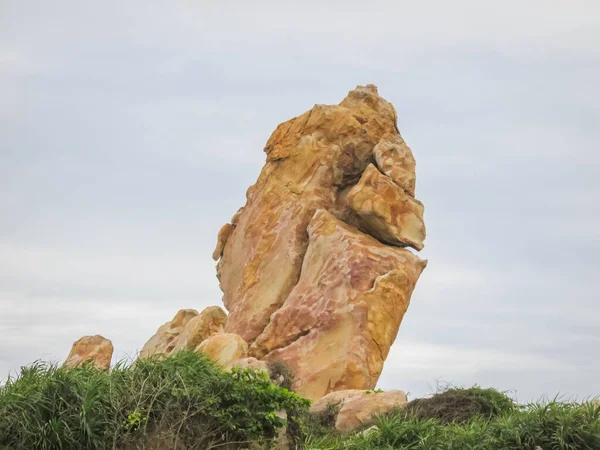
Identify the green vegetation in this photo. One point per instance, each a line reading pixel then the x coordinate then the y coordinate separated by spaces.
pixel 474 419
pixel 186 402
pixel 183 402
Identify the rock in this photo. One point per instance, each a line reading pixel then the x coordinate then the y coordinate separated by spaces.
pixel 395 159
pixel 310 268
pixel 224 348
pixel 310 160
pixel 251 363
pixel 360 411
pixel 209 322
pixel 336 327
pixel 163 341
pixel 337 398
pixel 96 349
pixel 387 211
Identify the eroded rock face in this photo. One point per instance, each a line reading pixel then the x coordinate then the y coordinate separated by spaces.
pixel 311 268
pixel 95 349
pixel 224 348
pixel 336 327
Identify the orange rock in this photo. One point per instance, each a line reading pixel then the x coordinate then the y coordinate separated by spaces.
pixel 209 322
pixel 387 211
pixel 309 159
pixel 305 271
pixel 163 341
pixel 360 411
pixel 224 348
pixel 336 327
pixel 96 349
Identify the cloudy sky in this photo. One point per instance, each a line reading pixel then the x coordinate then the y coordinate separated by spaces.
pixel 129 132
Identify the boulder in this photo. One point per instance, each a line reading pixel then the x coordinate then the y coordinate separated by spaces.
pixel 336 398
pixel 163 341
pixel 209 322
pixel 224 348
pixel 95 349
pixel 360 411
pixel 387 211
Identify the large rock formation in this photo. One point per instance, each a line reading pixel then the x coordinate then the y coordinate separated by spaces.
pixel 96 350
pixel 311 267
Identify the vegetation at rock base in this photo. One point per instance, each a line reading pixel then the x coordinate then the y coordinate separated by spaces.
pixel 186 402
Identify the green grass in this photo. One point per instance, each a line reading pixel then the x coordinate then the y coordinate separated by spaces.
pixel 553 425
pixel 186 402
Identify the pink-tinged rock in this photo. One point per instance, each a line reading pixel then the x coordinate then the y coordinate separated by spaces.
pixel 335 329
pixel 224 348
pixel 95 349
pixel 386 210
pixel 163 341
pixel 310 159
pixel 360 411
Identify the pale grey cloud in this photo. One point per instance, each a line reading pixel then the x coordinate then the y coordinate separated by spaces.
pixel 130 131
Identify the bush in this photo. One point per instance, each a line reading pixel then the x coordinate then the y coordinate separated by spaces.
pixel 460 405
pixel 553 425
pixel 184 400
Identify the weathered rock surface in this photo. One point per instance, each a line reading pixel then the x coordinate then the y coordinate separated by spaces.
pixel 224 348
pixel 387 211
pixel 209 322
pixel 163 341
pixel 360 411
pixel 96 349
pixel 306 267
pixel 335 329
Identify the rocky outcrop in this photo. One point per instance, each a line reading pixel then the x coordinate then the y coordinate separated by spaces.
pixel 96 350
pixel 224 348
pixel 186 331
pixel 311 268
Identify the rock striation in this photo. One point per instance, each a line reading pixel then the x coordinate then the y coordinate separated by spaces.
pixel 313 268
pixel 94 349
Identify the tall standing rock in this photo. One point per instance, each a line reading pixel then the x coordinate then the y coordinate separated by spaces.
pixel 334 173
pixel 96 350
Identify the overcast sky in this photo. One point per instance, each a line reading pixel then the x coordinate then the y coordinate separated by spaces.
pixel 129 132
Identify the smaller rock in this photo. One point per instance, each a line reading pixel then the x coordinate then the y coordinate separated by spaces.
pixel 250 362
pixel 395 159
pixel 224 348
pixel 96 349
pixel 199 328
pixel 163 341
pixel 360 411
pixel 387 211
pixel 335 398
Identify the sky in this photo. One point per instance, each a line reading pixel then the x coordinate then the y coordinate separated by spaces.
pixel 130 130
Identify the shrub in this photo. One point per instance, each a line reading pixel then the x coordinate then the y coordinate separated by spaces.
pixel 460 405
pixel 184 399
